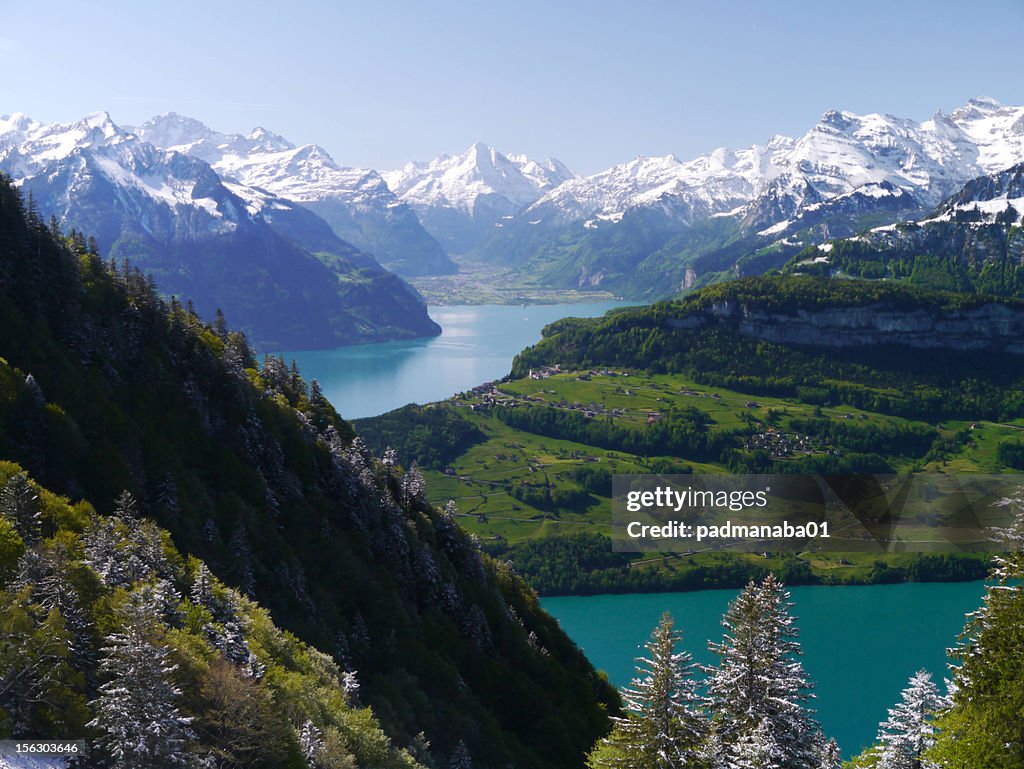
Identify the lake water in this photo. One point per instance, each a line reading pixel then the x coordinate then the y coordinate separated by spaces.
pixel 477 345
pixel 861 644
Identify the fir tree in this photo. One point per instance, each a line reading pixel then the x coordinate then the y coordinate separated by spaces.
pixel 103 552
pixel 311 741
pixel 983 726
pixel 759 690
pixel 202 588
pixel 19 503
pixel 126 508
pixel 460 757
pixel 831 755
pixel 54 591
pixel 136 712
pixel 909 730
pixel 350 685
pixel 665 727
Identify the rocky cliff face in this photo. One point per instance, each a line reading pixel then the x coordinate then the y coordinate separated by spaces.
pixel 990 327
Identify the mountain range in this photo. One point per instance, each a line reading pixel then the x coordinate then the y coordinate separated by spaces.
pixel 356 202
pixel 278 270
pixel 972 242
pixel 251 223
pixel 657 224
pixel 461 199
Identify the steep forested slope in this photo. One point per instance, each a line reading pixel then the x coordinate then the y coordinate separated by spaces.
pixel 105 387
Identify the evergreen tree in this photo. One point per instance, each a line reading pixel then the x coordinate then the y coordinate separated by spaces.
pixel 831 755
pixel 103 551
pixel 908 731
pixel 136 712
pixel 758 749
pixel 54 591
pixel 19 503
pixel 311 741
pixel 759 691
pixel 350 685
pixel 202 588
pixel 983 725
pixel 460 757
pixel 126 507
pixel 665 726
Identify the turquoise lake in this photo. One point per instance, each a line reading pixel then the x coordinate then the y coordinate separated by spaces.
pixel 477 345
pixel 861 644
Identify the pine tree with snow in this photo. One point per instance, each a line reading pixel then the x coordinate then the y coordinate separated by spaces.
pixel 983 727
pixel 758 749
pixel 202 588
pixel 144 555
pixel 350 685
pixel 831 755
pixel 20 505
pixel 665 727
pixel 104 553
pixel 126 508
pixel 909 730
pixel 414 487
pixel 53 590
pixel 759 686
pixel 311 742
pixel 136 711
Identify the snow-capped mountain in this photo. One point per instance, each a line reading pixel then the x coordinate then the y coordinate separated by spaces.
pixel 656 202
pixel 973 241
pixel 222 245
pixel 356 202
pixel 459 198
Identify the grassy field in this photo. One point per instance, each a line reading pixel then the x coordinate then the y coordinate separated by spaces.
pixel 483 479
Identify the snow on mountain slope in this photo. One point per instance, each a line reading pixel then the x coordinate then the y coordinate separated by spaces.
pixel 274 267
pixel 96 151
pixel 459 198
pixel 458 181
pixel 766 185
pixel 841 152
pixel 356 202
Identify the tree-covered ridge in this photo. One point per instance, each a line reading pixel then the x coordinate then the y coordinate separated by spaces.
pixel 113 635
pixel 699 336
pixel 972 243
pixel 104 387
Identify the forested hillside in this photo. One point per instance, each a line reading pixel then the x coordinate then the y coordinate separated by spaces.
pixel 104 387
pixel 112 635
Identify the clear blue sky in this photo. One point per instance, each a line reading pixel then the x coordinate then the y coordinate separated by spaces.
pixel 592 83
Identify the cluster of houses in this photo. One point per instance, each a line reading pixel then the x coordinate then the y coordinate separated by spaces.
pixel 490 395
pixel 545 371
pixel 782 445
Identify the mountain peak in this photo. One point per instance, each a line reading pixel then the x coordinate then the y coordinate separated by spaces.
pixel 978 108
pixel 173 130
pixel 269 140
pixel 100 121
pixel 835 119
pixel 985 102
pixel 16 121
